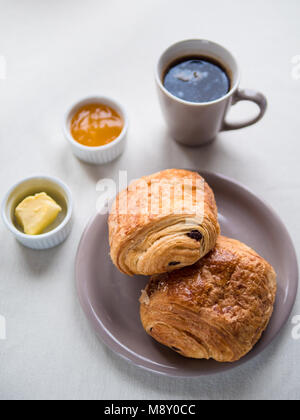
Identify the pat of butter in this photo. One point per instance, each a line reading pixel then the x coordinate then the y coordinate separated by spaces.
pixel 36 213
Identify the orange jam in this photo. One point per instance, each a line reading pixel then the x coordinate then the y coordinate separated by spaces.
pixel 96 125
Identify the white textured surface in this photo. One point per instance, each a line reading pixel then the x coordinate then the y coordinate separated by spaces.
pixel 57 52
pixel 48 243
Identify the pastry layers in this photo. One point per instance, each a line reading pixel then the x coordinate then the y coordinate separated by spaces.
pixel 163 222
pixel 217 308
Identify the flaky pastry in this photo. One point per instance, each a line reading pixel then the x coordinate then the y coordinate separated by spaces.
pixel 163 222
pixel 217 308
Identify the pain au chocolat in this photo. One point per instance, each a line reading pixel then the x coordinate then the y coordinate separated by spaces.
pixel 163 222
pixel 217 308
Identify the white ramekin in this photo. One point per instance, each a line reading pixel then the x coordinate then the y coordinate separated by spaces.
pixel 29 186
pixel 102 154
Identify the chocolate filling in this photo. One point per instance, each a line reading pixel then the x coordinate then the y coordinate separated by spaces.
pixel 196 235
pixel 173 263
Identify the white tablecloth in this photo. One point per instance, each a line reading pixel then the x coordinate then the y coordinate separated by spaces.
pixel 57 52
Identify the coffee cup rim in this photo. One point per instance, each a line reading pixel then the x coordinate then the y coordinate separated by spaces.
pixel 197 104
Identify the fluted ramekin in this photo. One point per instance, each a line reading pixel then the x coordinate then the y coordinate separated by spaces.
pixel 29 186
pixel 101 154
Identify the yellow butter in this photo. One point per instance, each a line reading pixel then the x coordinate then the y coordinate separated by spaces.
pixel 36 213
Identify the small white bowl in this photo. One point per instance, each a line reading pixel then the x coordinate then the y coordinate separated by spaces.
pixel 32 185
pixel 102 154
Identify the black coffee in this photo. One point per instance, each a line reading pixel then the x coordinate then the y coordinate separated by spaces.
pixel 197 79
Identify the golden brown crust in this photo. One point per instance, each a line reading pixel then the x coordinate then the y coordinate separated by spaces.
pixel 169 222
pixel 217 308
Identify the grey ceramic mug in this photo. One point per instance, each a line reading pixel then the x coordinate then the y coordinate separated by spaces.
pixel 196 124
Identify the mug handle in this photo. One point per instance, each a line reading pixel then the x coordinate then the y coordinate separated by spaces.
pixel 247 95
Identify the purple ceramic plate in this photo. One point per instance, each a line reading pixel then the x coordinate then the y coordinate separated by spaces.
pixel 111 299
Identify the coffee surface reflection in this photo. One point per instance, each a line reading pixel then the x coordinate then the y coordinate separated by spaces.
pixel 197 79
